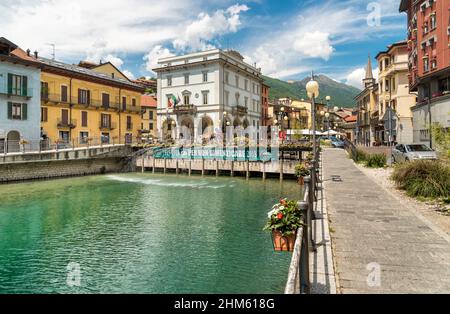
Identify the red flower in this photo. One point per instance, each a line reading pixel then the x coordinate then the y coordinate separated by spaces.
pixel 280 216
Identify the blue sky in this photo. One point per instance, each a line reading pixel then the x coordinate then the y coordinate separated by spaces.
pixel 287 39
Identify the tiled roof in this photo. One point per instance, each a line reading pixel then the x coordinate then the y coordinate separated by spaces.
pixel 351 119
pixel 84 71
pixel 148 101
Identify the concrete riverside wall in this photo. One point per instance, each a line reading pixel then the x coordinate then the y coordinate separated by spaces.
pixel 23 171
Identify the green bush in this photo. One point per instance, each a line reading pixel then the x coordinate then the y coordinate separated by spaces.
pixel 358 156
pixel 424 179
pixel 376 161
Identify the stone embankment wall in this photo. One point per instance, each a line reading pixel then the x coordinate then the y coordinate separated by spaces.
pixel 63 164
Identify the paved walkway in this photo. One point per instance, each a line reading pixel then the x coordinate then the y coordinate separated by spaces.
pixel 379 245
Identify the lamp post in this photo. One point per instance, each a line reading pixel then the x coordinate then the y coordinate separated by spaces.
pixel 312 89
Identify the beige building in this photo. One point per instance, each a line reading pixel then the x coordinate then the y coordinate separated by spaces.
pixel 393 88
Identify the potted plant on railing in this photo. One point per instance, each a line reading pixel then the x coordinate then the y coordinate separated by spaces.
pixel 284 220
pixel 301 171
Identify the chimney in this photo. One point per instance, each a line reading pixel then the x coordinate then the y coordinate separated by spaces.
pixel 36 54
pixel 28 52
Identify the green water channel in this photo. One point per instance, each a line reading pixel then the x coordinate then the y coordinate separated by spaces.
pixel 141 233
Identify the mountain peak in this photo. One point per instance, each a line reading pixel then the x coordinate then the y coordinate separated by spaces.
pixel 342 95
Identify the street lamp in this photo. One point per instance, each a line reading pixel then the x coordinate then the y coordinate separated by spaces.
pixel 312 89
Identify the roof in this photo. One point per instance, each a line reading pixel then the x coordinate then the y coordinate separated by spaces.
pixel 53 64
pixel 149 101
pixel 19 53
pixel 351 119
pixel 369 73
pixel 404 4
pixel 6 42
pixel 390 47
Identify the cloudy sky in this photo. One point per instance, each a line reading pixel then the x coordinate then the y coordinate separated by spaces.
pixel 287 39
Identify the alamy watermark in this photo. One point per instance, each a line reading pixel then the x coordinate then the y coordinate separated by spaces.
pixel 374 277
pixel 73 275
pixel 374 17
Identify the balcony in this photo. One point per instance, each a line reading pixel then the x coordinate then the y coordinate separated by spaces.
pixel 66 124
pixel 240 110
pixel 21 92
pixel 56 99
pixel 107 126
pixel 53 99
pixel 131 108
pixel 185 109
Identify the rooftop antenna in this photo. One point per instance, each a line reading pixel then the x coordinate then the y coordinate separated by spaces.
pixel 53 51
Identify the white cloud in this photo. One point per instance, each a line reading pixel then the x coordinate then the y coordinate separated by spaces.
pixel 151 58
pixel 315 45
pixel 355 77
pixel 116 61
pixel 128 74
pixel 200 32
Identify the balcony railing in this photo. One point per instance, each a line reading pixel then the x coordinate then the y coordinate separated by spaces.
pixel 20 92
pixel 66 124
pixel 107 126
pixel 240 110
pixel 130 108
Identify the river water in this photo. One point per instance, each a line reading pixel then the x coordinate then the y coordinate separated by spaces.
pixel 141 233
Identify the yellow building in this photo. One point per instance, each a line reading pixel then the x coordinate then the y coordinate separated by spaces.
pixel 394 94
pixel 88 104
pixel 367 107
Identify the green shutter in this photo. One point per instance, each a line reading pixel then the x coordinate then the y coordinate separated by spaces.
pixel 24 111
pixel 24 86
pixel 10 77
pixel 9 110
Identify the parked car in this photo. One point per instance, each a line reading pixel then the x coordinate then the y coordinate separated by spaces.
pixel 405 153
pixel 337 143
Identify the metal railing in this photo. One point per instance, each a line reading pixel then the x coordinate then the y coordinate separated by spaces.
pixel 17 147
pixel 66 123
pixel 299 281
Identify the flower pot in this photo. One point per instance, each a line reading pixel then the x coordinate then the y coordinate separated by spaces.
pixel 301 180
pixel 283 244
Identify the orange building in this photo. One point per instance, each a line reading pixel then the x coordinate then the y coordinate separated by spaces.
pixel 149 116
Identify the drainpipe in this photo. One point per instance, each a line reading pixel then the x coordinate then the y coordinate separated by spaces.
pixel 70 108
pixel 120 124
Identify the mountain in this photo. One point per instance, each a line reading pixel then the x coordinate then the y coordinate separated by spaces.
pixel 341 94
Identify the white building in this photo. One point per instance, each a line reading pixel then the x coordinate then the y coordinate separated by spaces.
pixel 20 103
pixel 207 90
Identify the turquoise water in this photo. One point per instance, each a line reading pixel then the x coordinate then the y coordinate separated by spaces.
pixel 138 233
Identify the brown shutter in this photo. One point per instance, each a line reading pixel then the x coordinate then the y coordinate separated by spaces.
pixel 65 116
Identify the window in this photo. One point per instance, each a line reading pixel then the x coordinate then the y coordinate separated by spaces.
pixel 227 98
pixel 151 126
pixel 44 114
pixel 64 93
pixel 17 111
pixel 65 116
pixel 133 102
pixel 433 21
pixel 237 99
pixel 187 99
pixel 426 65
pixel 169 81
pixel 17 85
pixel 205 98
pixel 386 85
pixel 205 76
pixel 84 119
pixel 186 79
pixel 433 64
pixel 105 100
pixel 227 77
pixel 425 28
pixel 393 83
pixel 84 137
pixel 124 102
pixel 246 84
pixel 105 121
pixel 84 97
pixel 129 123
pixel 237 81
pixel 44 90
pixel 246 102
pixel 151 115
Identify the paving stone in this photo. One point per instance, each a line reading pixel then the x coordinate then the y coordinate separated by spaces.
pixel 371 226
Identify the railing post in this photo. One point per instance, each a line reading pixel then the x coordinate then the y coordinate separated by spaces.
pixel 311 202
pixel 304 254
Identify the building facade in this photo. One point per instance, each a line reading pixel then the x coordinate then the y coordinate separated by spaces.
pixel 395 99
pixel 205 92
pixel 367 123
pixel 86 104
pixel 429 64
pixel 149 120
pixel 19 99
pixel 265 119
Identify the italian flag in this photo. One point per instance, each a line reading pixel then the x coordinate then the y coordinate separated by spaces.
pixel 173 101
